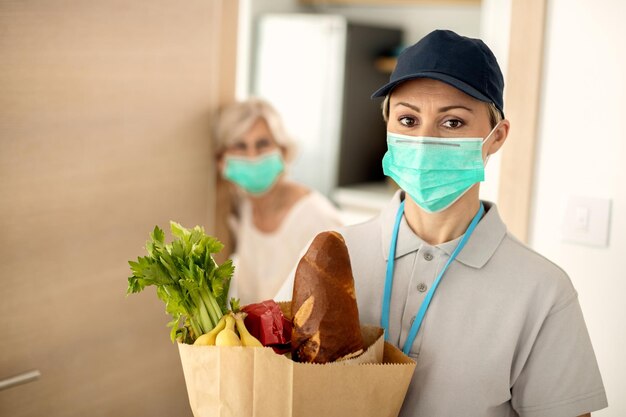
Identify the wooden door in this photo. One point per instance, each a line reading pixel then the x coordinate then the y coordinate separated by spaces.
pixel 104 118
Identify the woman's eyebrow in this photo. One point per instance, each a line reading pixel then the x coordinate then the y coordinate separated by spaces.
pixel 402 103
pixel 441 109
pixel 456 106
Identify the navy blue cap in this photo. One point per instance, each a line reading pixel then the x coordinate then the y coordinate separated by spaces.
pixel 464 63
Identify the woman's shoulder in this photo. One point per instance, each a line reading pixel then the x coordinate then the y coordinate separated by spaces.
pixel 513 260
pixel 535 271
pixel 520 253
pixel 364 240
pixel 317 200
pixel 314 205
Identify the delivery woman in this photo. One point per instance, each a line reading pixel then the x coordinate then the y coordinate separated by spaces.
pixel 274 217
pixel 495 328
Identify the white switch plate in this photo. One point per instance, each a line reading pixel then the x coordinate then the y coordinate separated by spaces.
pixel 587 221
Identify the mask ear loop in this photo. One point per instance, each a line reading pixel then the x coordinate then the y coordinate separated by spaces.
pixel 487 138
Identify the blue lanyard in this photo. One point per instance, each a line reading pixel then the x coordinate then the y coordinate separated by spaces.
pixel 417 323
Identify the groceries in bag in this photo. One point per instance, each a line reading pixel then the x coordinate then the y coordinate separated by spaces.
pixel 227 377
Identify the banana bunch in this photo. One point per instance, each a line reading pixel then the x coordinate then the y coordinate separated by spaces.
pixel 224 333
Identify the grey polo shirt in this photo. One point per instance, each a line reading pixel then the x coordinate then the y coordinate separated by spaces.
pixel 504 334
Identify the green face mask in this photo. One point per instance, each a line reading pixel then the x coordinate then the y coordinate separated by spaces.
pixel 435 172
pixel 256 176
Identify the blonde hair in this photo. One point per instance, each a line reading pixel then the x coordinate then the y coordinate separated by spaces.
pixel 237 118
pixel 495 116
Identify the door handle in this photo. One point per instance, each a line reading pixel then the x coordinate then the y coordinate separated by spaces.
pixel 23 378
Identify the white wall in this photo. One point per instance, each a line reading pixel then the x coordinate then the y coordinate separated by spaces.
pixel 582 151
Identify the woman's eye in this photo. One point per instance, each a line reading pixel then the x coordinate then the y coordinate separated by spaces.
pixel 453 123
pixel 407 121
pixel 239 146
pixel 262 143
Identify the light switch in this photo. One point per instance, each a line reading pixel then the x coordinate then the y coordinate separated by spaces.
pixel 587 221
pixel 582 218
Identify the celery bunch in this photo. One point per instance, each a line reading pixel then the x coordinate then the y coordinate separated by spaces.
pixel 192 285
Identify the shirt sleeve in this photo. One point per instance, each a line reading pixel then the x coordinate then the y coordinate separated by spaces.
pixel 560 377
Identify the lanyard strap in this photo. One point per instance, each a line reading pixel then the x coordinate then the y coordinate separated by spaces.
pixel 384 321
pixel 417 323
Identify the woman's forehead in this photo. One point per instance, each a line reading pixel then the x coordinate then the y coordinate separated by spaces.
pixel 257 130
pixel 258 125
pixel 426 89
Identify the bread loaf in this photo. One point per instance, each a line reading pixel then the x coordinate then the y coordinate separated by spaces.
pixel 325 313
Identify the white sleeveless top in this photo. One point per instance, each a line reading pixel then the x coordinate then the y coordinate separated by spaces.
pixel 264 260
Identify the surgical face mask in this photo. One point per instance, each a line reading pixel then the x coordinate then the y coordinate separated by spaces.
pixel 435 172
pixel 254 175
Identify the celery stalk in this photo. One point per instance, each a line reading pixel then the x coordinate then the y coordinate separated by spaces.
pixel 192 285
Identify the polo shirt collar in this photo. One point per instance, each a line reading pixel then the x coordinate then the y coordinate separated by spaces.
pixel 477 251
pixel 407 240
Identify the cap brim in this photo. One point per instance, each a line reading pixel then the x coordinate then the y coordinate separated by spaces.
pixel 454 82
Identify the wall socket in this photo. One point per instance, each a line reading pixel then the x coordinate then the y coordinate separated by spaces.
pixel 587 221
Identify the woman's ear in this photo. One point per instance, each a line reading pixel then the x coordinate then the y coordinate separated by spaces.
pixel 498 137
pixel 284 152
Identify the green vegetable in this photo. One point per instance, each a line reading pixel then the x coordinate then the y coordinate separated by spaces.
pixel 234 305
pixel 192 285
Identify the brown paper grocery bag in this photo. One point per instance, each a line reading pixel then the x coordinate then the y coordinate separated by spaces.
pixel 256 382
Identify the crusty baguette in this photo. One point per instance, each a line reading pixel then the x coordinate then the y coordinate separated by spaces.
pixel 325 314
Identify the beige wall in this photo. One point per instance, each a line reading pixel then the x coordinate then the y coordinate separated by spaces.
pixel 103 133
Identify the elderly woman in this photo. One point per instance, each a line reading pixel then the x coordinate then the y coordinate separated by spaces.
pixel 274 217
pixel 496 329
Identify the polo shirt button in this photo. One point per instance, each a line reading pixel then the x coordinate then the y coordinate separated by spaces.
pixel 428 256
pixel 421 287
pixel 412 320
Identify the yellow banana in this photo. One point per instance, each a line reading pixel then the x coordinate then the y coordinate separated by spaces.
pixel 246 338
pixel 208 339
pixel 228 337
